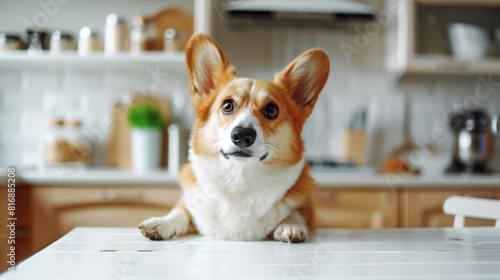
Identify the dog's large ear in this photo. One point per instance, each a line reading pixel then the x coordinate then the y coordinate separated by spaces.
pixel 207 65
pixel 304 78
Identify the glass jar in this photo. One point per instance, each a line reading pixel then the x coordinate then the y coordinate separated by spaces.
pixel 88 41
pixel 172 41
pixel 80 145
pixel 55 145
pixel 10 42
pixel 143 35
pixel 60 41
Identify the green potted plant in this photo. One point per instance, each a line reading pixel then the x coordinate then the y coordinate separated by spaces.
pixel 147 126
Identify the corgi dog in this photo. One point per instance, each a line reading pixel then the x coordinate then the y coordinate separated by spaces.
pixel 247 177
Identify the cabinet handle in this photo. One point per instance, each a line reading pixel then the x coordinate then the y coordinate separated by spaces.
pixel 114 195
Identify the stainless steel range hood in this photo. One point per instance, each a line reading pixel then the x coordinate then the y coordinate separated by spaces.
pixel 299 11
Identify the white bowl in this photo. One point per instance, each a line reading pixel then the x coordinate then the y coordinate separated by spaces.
pixel 467 41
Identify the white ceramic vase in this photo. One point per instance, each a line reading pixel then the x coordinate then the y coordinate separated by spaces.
pixel 146 149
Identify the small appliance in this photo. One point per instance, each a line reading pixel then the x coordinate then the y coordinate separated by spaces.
pixel 474 142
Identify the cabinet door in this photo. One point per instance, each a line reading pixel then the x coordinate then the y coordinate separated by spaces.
pixel 57 210
pixel 22 234
pixel 421 208
pixel 355 208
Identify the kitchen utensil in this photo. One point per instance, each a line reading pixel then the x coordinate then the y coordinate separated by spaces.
pixel 354 138
pixel 474 141
pixel 467 41
pixel 42 38
pixel 35 46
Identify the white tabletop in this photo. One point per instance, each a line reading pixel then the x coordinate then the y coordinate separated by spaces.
pixel 122 253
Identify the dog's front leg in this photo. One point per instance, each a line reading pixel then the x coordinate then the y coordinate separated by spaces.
pixel 292 229
pixel 173 224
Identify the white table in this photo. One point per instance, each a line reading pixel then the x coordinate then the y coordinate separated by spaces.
pixel 122 253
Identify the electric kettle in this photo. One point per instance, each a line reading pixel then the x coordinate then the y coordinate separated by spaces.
pixel 474 141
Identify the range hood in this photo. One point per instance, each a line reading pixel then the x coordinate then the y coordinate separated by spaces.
pixel 300 11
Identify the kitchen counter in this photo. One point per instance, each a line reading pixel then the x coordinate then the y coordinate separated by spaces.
pixel 123 253
pixel 162 178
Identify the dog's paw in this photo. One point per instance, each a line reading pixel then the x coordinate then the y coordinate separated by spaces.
pixel 157 228
pixel 290 233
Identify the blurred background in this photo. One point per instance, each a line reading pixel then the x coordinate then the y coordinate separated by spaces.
pixel 408 115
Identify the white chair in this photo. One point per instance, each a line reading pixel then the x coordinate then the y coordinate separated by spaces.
pixel 464 206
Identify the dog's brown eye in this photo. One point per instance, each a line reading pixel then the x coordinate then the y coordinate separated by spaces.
pixel 271 112
pixel 228 106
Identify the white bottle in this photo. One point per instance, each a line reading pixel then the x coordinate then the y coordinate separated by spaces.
pixel 88 41
pixel 115 35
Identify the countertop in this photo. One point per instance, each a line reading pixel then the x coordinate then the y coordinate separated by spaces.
pixel 70 177
pixel 123 253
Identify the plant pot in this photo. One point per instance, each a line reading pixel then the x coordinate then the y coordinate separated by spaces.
pixel 146 149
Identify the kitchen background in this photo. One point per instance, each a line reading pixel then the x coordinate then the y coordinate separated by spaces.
pixel 33 91
pixel 396 77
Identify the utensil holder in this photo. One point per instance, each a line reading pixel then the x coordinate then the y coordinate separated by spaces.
pixel 353 146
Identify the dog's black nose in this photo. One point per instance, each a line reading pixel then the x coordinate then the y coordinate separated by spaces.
pixel 243 136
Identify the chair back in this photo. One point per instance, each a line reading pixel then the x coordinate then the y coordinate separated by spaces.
pixel 464 206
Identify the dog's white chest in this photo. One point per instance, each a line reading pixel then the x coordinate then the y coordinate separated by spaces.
pixel 238 201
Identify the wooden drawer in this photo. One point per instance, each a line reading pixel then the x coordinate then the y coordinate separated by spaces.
pixel 355 208
pixel 424 208
pixel 56 210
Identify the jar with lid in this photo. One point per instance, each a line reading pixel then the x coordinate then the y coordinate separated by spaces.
pixel 60 41
pixel 64 142
pixel 10 42
pixel 174 40
pixel 54 142
pixel 88 41
pixel 143 35
pixel 115 35
pixel 80 145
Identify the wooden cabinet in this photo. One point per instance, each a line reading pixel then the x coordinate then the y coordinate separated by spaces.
pixel 58 209
pixel 23 245
pixel 46 213
pixel 418 38
pixel 424 208
pixel 355 208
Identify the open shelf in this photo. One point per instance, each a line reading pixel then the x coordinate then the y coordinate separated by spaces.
pixel 450 65
pixel 173 61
